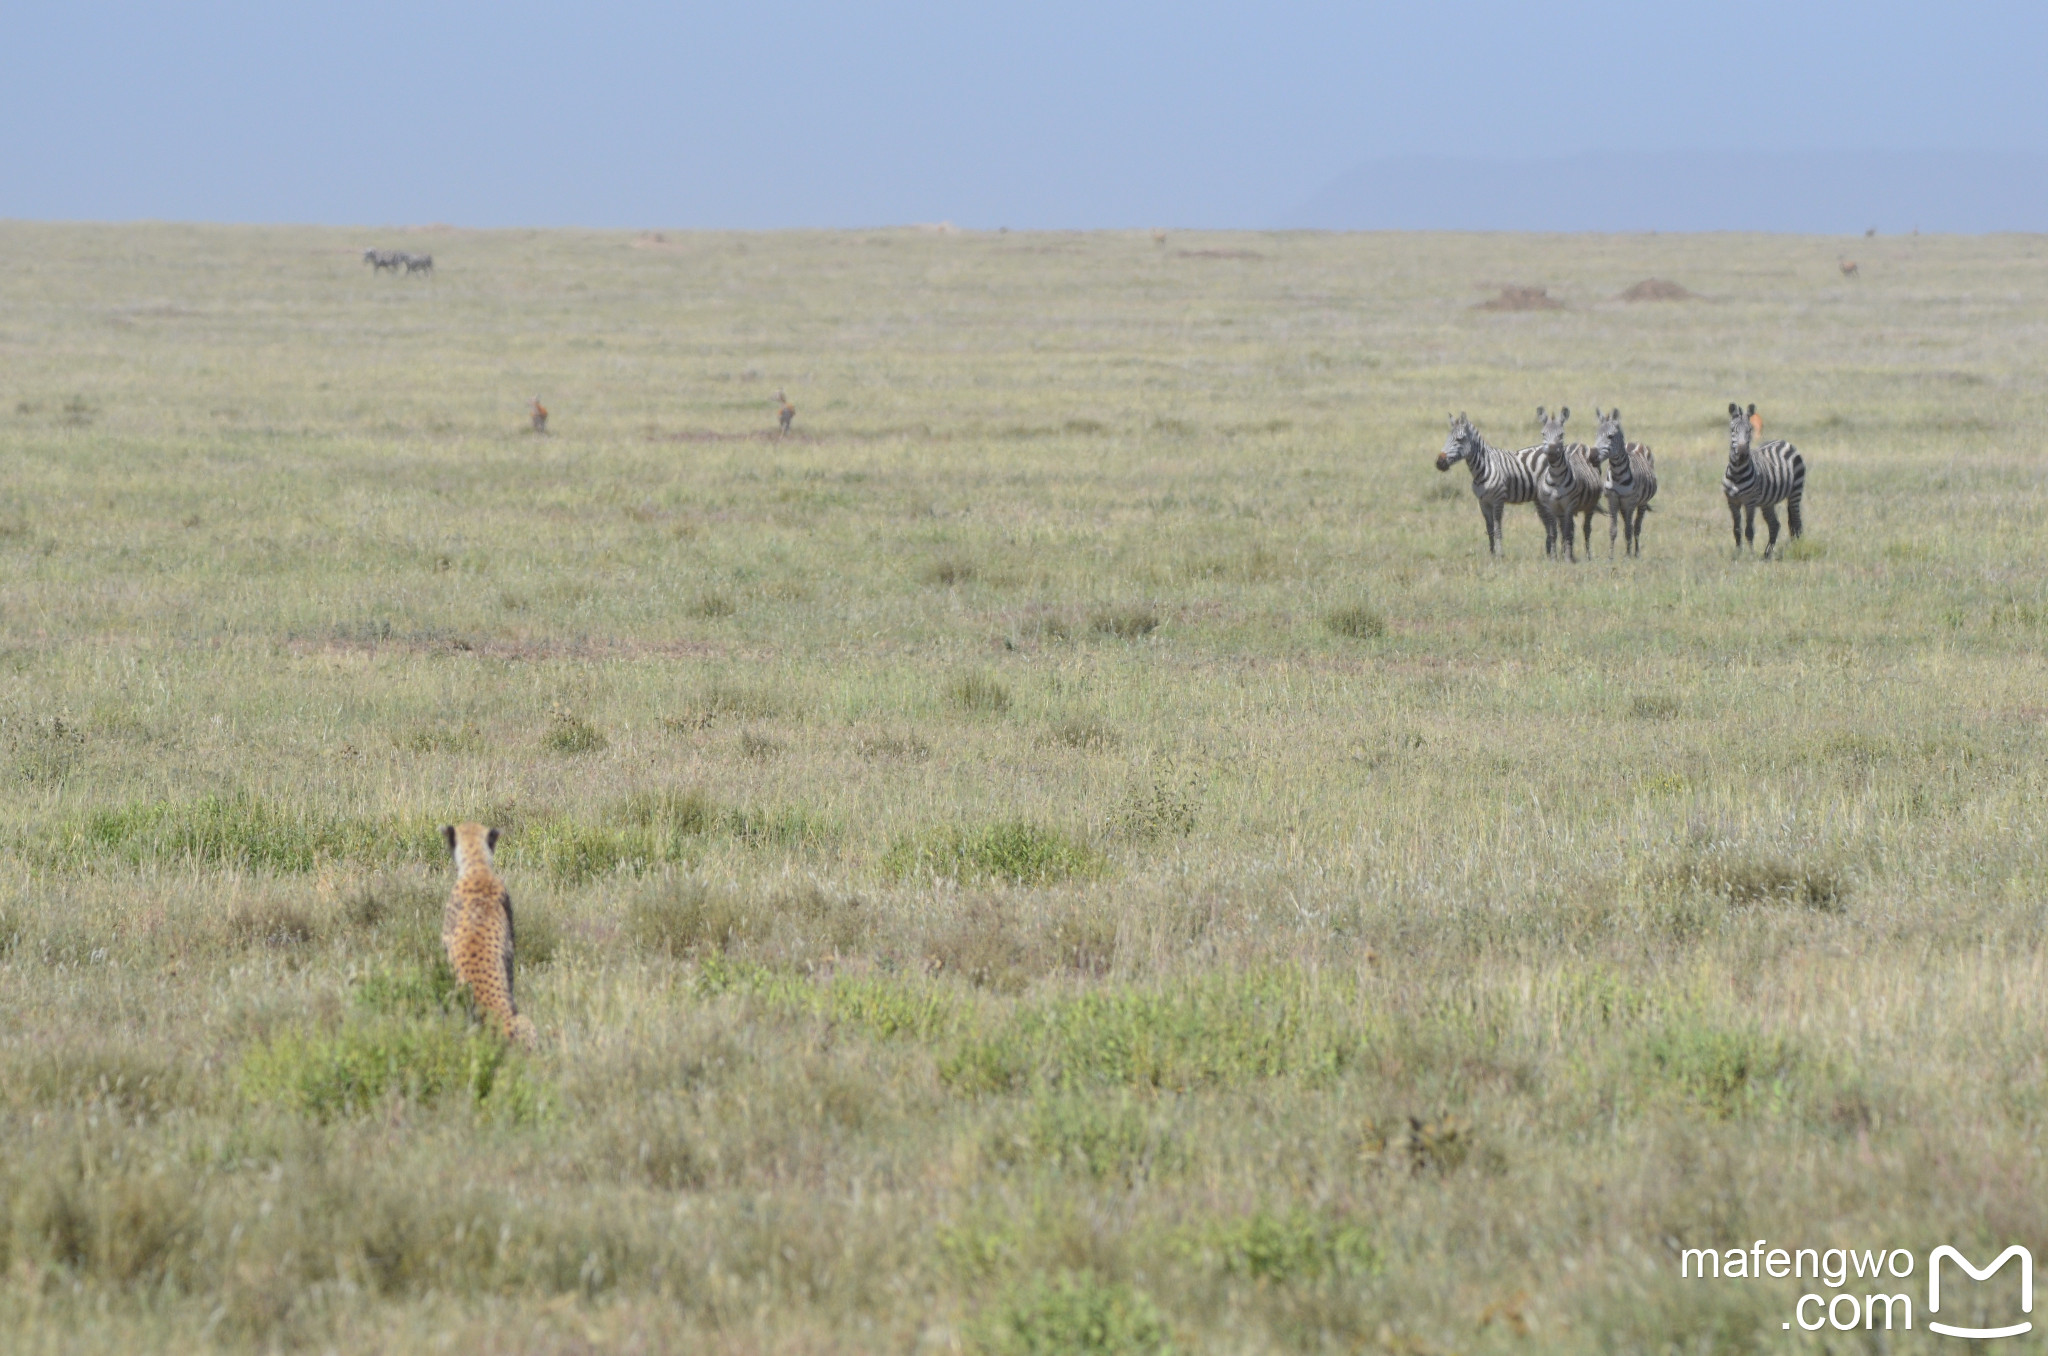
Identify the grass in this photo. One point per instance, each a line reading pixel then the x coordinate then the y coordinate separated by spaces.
pixel 1083 850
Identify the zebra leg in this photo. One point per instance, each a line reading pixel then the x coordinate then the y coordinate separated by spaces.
pixel 1613 521
pixel 1491 515
pixel 1749 525
pixel 1589 532
pixel 1792 515
pixel 1735 517
pixel 1771 521
pixel 1635 531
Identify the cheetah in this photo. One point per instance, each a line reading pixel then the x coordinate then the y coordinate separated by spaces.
pixel 476 927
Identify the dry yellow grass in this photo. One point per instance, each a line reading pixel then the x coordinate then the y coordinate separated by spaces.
pixel 1076 838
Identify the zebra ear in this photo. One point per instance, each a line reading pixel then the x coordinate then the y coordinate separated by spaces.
pixel 1564 414
pixel 1615 414
pixel 1734 410
pixel 1752 407
pixel 1540 415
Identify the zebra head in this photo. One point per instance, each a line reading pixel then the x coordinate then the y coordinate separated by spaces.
pixel 1553 433
pixel 1740 431
pixel 1459 445
pixel 1612 443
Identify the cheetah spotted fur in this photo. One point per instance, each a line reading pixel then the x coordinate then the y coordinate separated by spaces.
pixel 476 927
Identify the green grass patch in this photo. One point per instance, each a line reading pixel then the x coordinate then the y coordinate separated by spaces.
pixel 1013 850
pixel 1073 1313
pixel 1131 621
pixel 240 831
pixel 1361 621
pixel 1725 1070
pixel 1283 1247
pixel 1214 1032
pixel 980 694
pixel 352 1070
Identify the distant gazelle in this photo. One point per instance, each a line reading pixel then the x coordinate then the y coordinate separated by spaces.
pixel 1848 267
pixel 540 416
pixel 787 414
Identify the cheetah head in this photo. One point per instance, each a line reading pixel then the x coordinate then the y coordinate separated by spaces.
pixel 471 843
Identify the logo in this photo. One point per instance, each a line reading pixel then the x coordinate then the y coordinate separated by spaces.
pixel 1934 1290
pixel 1858 1279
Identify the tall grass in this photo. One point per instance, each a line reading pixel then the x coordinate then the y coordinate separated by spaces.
pixel 1082 850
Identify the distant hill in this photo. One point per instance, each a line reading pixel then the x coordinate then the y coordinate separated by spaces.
pixel 1822 192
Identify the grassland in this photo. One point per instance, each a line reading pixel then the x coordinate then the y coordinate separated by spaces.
pixel 1076 848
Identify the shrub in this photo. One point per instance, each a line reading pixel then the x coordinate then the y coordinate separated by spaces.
pixel 1074 1314
pixel 669 809
pixel 1089 1134
pixel 1133 621
pixel 1012 850
pixel 1361 621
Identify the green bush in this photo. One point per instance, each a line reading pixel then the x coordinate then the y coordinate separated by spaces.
pixel 1074 1314
pixel 1013 850
pixel 1725 1070
pixel 352 1070
pixel 571 734
pixel 1279 1248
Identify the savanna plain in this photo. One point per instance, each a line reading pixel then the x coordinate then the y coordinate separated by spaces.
pixel 1074 848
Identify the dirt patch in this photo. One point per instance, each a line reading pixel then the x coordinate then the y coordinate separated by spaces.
pixel 1219 254
pixel 1521 299
pixel 1658 289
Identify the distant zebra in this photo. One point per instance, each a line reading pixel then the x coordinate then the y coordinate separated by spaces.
pixel 1499 477
pixel 1758 478
pixel 1569 487
pixel 379 260
pixel 1631 480
pixel 417 263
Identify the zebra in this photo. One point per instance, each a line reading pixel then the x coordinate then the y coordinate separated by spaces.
pixel 379 260
pixel 417 263
pixel 1758 478
pixel 1569 486
pixel 1631 480
pixel 1499 477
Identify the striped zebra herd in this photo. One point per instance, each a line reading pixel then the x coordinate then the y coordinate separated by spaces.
pixel 1562 480
pixel 379 260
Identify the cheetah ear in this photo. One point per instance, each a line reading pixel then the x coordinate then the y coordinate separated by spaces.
pixel 448 836
pixel 491 839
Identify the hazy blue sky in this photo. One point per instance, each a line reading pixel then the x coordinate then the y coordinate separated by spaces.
pixel 1051 114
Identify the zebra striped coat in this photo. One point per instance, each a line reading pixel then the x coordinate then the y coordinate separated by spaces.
pixel 1499 477
pixel 417 263
pixel 1569 487
pixel 1757 478
pixel 379 260
pixel 1631 480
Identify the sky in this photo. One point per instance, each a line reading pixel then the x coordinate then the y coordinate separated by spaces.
pixel 795 113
